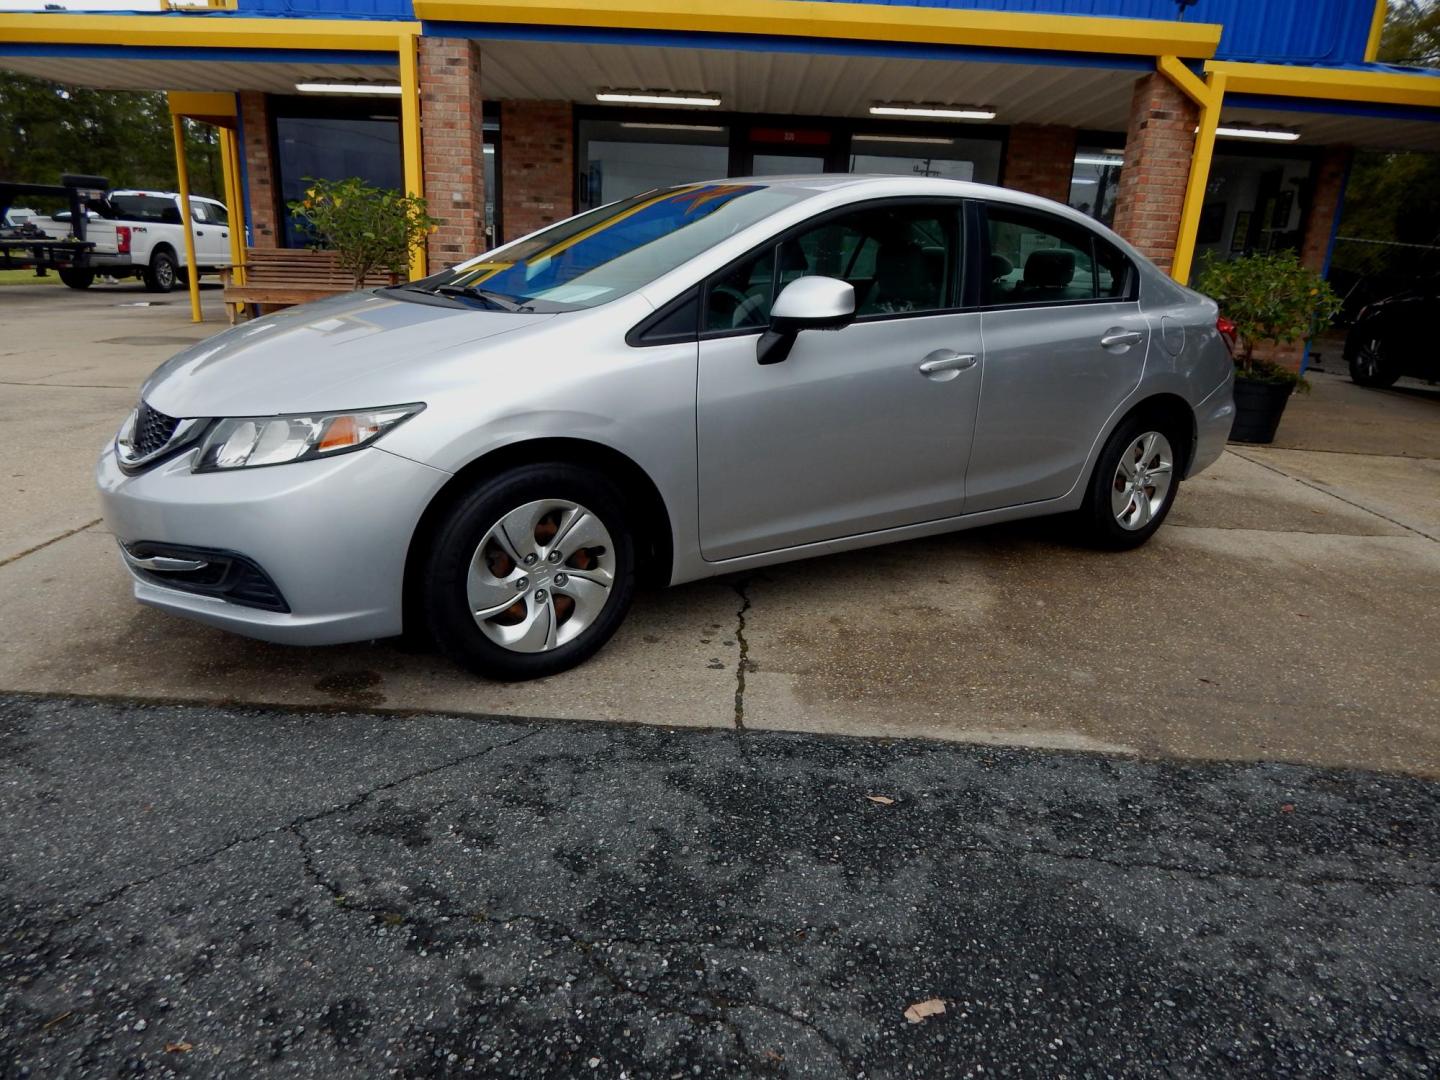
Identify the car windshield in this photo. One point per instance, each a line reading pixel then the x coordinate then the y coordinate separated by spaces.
pixel 606 253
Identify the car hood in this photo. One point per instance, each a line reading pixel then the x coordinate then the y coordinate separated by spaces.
pixel 331 354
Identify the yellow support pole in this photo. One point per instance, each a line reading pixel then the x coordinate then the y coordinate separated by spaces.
pixel 235 230
pixel 235 199
pixel 182 172
pixel 1199 178
pixel 410 135
pixel 1377 31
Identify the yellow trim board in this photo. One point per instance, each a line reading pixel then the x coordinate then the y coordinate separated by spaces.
pixel 851 22
pixel 201 31
pixel 201 105
pixel 1190 84
pixel 1377 30
pixel 1338 84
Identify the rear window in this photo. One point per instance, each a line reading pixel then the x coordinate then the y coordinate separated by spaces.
pixel 146 208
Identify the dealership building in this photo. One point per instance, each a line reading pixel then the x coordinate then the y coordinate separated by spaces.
pixel 1224 126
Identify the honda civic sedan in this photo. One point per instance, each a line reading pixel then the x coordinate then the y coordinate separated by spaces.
pixel 694 381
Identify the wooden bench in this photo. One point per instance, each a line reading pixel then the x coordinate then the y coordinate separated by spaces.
pixel 279 277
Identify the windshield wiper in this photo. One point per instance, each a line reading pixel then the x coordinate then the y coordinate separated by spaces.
pixel 493 300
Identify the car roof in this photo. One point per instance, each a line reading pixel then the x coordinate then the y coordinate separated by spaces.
pixel 881 185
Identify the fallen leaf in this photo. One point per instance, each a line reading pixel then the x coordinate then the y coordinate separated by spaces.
pixel 918 1012
pixel 1287 808
pixel 179 1048
pixel 883 800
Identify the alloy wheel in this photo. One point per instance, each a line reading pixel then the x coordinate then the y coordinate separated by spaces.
pixel 1142 481
pixel 541 575
pixel 1367 359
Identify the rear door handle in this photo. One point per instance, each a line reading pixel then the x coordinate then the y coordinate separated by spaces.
pixel 942 365
pixel 1116 338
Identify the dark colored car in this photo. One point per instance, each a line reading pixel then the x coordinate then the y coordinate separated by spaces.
pixel 1390 338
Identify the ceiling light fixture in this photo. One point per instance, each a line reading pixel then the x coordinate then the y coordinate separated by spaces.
pixel 941 112
pixel 671 127
pixel 928 140
pixel 379 89
pixel 1243 132
pixel 658 97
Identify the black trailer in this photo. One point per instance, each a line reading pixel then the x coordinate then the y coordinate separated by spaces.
pixel 26 246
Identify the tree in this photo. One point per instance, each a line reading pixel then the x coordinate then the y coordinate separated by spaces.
pixel 1393 199
pixel 47 129
pixel 1412 34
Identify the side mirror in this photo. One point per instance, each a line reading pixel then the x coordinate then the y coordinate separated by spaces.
pixel 807 303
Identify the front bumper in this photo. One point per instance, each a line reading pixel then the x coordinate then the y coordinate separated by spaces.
pixel 1213 419
pixel 332 535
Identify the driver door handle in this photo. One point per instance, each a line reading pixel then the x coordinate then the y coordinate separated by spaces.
pixel 1116 338
pixel 946 363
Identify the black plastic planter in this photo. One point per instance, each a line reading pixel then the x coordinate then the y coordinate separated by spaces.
pixel 1258 408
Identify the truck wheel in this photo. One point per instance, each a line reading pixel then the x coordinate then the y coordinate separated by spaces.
pixel 162 273
pixel 77 279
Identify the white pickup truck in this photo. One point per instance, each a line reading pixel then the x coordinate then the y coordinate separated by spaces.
pixel 137 234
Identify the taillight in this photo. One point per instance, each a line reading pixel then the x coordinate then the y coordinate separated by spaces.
pixel 1228 331
pixel 122 239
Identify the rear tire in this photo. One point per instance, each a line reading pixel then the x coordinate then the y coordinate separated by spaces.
pixel 553 538
pixel 1370 364
pixel 1133 486
pixel 162 275
pixel 78 279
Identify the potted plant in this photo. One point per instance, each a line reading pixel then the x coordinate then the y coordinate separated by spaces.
pixel 1266 299
pixel 368 228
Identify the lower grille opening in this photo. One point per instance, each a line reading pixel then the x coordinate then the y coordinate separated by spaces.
pixel 225 575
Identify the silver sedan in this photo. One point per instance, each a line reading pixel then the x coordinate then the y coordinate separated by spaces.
pixel 693 381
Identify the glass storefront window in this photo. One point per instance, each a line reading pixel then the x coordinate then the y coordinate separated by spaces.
pixel 333 147
pixel 1095 181
pixel 620 158
pixel 1253 202
pixel 951 158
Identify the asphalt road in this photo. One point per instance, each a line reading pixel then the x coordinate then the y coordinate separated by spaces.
pixel 208 891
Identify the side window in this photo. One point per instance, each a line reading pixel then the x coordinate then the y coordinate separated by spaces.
pixel 1113 271
pixel 1038 259
pixel 215 214
pixel 899 258
pixel 198 211
pixel 739 299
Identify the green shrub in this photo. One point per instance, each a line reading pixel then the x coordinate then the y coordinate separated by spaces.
pixel 1270 298
pixel 369 228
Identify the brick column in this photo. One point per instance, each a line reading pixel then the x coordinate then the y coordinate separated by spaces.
pixel 1040 159
pixel 1159 141
pixel 261 186
pixel 1327 189
pixel 452 148
pixel 537 162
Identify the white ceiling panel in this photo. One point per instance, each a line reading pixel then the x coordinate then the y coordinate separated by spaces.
pixel 1330 129
pixel 808 83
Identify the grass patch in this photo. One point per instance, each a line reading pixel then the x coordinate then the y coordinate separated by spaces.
pixel 27 277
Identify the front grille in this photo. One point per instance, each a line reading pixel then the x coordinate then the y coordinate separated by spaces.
pixel 153 429
pixel 225 575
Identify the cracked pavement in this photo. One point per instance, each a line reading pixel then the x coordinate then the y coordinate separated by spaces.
pixel 344 894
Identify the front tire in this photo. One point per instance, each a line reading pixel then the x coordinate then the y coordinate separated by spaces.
pixel 530 573
pixel 1133 485
pixel 77 279
pixel 162 274
pixel 1370 364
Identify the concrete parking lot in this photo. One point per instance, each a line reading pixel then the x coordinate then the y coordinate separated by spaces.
pixel 1164 813
pixel 1278 615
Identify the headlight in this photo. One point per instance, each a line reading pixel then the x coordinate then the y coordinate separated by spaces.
pixel 249 441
